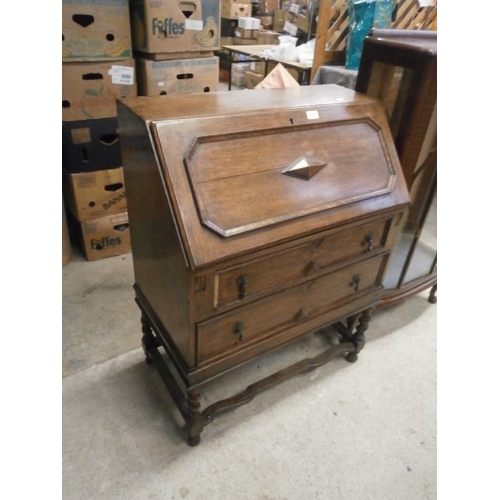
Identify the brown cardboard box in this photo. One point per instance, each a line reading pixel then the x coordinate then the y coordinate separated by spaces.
pixel 244 41
pixel 297 6
pixel 235 2
pixel 227 40
pixel 246 34
pixel 302 23
pixel 268 5
pixel 168 56
pixel 266 20
pixel 232 10
pixel 179 76
pixel 175 26
pixel 90 89
pixel 90 195
pixel 259 67
pixel 90 145
pixel 279 20
pixel 252 78
pixel 95 30
pixel 105 236
pixel 268 38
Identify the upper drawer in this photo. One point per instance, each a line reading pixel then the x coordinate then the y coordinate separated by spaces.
pixel 311 258
pixel 277 313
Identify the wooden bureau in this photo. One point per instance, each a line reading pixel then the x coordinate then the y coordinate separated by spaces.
pixel 256 217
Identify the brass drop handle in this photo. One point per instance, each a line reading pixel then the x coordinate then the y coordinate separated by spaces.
pixel 242 283
pixel 310 267
pixel 356 279
pixel 238 330
pixel 368 242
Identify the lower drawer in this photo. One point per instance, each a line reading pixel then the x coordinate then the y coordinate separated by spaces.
pixel 238 329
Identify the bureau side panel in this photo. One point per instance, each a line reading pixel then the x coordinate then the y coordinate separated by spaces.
pixel 160 269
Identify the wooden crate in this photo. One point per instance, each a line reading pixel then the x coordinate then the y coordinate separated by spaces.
pixel 333 27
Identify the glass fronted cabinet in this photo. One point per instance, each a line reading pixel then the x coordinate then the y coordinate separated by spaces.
pixel 399 67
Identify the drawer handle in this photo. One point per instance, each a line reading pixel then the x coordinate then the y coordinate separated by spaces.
pixel 238 330
pixel 242 283
pixel 301 315
pixel 310 267
pixel 368 241
pixel 356 279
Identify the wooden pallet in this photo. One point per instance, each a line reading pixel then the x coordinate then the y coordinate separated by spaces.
pixel 333 27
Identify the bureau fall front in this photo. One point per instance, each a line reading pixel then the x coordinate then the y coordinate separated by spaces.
pixel 256 218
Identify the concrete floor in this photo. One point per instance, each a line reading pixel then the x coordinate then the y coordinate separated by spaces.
pixel 346 431
pixel 362 431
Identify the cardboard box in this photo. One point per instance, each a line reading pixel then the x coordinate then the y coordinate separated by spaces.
pixel 268 38
pixel 252 78
pixel 246 34
pixel 168 56
pixel 238 73
pixel 249 23
pixel 95 30
pixel 268 5
pixel 223 55
pixel 297 7
pixel 259 67
pixel 302 23
pixel 231 10
pixel 180 76
pixel 244 41
pixel 174 25
pixel 90 145
pixel 266 20
pixel 279 18
pixel 90 195
pixel 228 26
pixel 105 236
pixel 90 89
pixel 290 28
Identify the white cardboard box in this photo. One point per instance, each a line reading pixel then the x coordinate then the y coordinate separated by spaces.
pixel 249 23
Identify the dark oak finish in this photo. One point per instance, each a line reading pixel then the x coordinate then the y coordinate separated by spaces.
pixel 232 256
pixel 399 67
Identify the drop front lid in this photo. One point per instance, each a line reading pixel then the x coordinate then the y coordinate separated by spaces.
pixel 264 166
pixel 342 153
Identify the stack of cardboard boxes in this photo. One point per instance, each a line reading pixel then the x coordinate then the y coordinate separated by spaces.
pixel 234 9
pixel 174 43
pixel 97 68
pixel 300 18
pixel 248 29
pixel 252 22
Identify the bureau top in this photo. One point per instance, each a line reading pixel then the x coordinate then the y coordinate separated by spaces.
pixel 227 103
pixel 248 169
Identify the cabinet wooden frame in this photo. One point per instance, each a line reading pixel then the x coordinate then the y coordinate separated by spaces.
pixel 399 67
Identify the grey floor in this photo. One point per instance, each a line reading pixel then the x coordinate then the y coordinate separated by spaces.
pixel 358 431
pixel 344 431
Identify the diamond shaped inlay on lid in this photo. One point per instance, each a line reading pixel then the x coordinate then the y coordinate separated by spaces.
pixel 304 168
